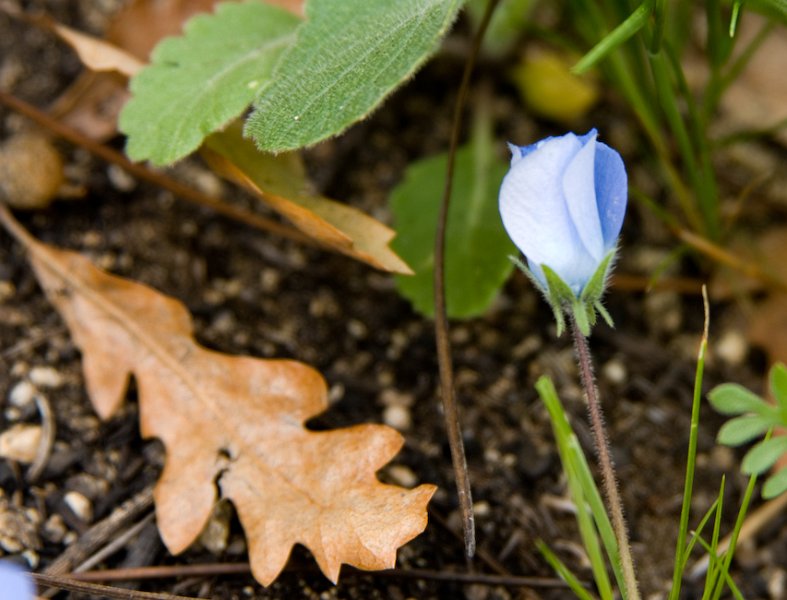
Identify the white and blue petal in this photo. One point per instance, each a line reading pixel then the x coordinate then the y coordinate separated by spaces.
pixel 580 194
pixel 611 184
pixel 534 210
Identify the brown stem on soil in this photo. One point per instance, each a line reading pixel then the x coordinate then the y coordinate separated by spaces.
pixel 138 170
pixel 101 591
pixel 614 503
pixel 214 569
pixel 448 392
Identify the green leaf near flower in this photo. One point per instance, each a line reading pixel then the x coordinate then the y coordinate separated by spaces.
pixel 477 247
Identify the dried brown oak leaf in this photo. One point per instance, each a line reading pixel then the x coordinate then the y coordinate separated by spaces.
pixel 235 422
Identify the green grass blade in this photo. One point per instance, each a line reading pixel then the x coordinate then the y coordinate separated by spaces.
pixel 691 459
pixel 727 560
pixel 697 534
pixel 713 569
pixel 581 487
pixel 563 572
pixel 615 38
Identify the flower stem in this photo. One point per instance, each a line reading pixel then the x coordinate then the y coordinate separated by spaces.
pixel 614 504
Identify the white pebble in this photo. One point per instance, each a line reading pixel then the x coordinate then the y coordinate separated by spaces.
pixel 777 583
pixel 614 371
pixel 402 475
pixel 397 416
pixel 215 536
pixel 32 558
pixel 79 505
pixel 20 442
pixel 54 529
pixel 22 394
pixel 732 347
pixel 481 509
pixel 46 377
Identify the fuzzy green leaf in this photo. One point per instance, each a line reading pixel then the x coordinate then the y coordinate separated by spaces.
pixel 763 456
pixel 559 291
pixel 477 247
pixel 775 485
pixel 348 56
pixel 594 289
pixel 199 82
pixel 741 430
pixel 734 399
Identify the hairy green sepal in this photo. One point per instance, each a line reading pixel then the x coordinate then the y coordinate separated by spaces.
pixel 563 301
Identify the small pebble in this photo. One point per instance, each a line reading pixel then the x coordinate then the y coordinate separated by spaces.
pixel 20 442
pixel 217 530
pixel 398 417
pixel 7 290
pixel 120 179
pixel 777 584
pixel 79 505
pixel 614 371
pixel 22 394
pixel 402 475
pixel 46 377
pixel 482 508
pixel 31 171
pixel 54 529
pixel 732 347
pixel 357 329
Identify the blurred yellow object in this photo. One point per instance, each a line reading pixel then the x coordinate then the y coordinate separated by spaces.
pixel 31 171
pixel 550 90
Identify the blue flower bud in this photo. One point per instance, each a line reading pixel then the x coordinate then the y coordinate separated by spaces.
pixel 562 203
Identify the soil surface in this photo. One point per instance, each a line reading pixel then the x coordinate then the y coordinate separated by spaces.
pixel 253 293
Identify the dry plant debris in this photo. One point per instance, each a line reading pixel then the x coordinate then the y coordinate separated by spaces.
pixel 235 422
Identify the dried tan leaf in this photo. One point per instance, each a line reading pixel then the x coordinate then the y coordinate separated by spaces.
pixel 296 7
pixel 97 54
pixel 234 422
pixel 139 26
pixel 92 104
pixel 280 181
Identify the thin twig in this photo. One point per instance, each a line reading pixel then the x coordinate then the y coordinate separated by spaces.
pixel 142 172
pixel 95 537
pixel 614 503
pixel 116 544
pixel 443 342
pixel 213 569
pixel 101 591
pixel 755 521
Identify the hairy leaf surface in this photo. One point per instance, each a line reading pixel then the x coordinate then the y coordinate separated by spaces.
pixel 348 56
pixel 200 81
